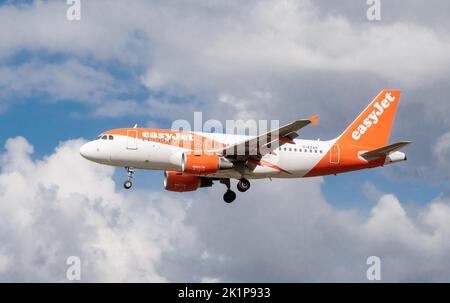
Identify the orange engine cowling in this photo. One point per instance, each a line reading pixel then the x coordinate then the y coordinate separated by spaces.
pixel 180 182
pixel 203 163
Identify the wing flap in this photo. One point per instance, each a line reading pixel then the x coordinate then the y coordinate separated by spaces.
pixel 282 135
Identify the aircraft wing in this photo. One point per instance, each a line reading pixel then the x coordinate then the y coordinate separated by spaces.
pixel 384 151
pixel 267 142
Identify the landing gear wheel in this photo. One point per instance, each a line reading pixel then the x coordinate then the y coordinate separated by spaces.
pixel 127 184
pixel 130 172
pixel 243 185
pixel 229 196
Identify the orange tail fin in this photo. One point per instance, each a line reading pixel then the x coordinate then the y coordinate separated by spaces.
pixel 373 126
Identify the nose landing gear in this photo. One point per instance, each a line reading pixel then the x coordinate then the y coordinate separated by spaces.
pixel 130 172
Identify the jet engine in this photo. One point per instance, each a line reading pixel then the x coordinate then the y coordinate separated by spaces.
pixel 180 182
pixel 203 163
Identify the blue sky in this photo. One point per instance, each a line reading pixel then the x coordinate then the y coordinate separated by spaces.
pixel 46 123
pixel 36 116
pixel 152 62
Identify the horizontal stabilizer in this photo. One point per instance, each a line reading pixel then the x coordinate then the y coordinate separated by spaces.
pixel 384 151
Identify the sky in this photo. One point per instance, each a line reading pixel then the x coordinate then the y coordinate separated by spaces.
pixel 152 62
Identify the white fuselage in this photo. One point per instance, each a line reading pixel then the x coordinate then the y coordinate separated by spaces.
pixel 287 161
pixel 193 160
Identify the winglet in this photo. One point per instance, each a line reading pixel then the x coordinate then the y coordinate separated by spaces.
pixel 314 119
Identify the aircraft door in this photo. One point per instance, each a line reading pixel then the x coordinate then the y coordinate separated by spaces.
pixel 132 139
pixel 335 154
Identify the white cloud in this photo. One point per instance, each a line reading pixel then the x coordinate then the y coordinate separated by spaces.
pixel 223 48
pixel 160 108
pixel 389 222
pixel 153 80
pixel 119 108
pixel 259 59
pixel 210 280
pixel 62 205
pixel 69 80
pixel 267 59
pixel 263 39
pixel 5 263
pixel 291 233
pixel 371 191
pixel 104 33
pixel 306 60
pixel 442 149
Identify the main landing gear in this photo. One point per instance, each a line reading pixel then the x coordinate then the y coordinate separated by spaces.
pixel 130 172
pixel 230 196
pixel 243 185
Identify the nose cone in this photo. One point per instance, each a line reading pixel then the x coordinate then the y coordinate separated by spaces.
pixel 88 151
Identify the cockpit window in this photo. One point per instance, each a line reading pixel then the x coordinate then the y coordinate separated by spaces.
pixel 105 137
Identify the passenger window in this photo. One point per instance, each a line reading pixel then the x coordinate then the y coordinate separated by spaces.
pixel 111 137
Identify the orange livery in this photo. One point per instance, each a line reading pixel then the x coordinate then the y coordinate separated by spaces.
pixel 193 160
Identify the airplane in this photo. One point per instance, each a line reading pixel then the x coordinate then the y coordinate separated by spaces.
pixel 193 160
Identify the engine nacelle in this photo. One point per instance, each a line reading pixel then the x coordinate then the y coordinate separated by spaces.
pixel 180 182
pixel 203 163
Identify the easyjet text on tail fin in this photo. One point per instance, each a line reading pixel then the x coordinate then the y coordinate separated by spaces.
pixel 373 126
